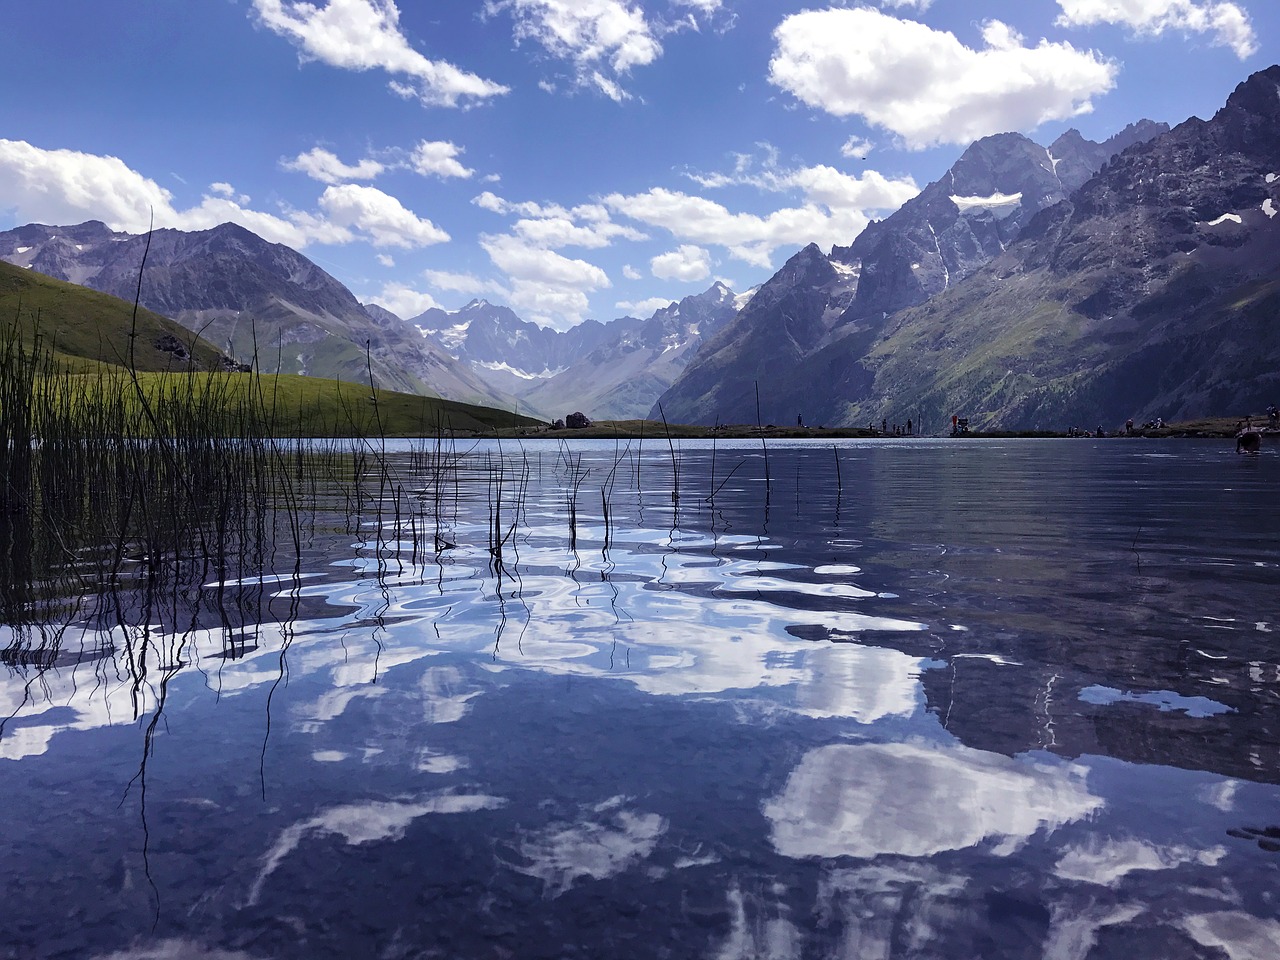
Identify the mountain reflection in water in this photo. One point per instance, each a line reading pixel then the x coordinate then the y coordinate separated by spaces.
pixel 951 699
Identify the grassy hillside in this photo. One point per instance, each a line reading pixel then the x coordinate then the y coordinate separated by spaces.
pixel 85 336
pixel 82 327
pixel 297 406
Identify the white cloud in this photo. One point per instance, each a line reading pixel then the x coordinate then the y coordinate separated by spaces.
pixel 687 263
pixel 856 147
pixel 644 308
pixel 365 35
pixel 439 158
pixel 464 283
pixel 522 262
pixel 868 800
pixel 598 37
pixel 1227 22
pixel 923 84
pixel 385 260
pixel 554 232
pixel 705 7
pixel 921 5
pixel 835 209
pixel 380 216
pixel 818 184
pixel 67 186
pixel 320 164
pixel 552 226
pixel 551 288
pixel 403 301
pixel 631 273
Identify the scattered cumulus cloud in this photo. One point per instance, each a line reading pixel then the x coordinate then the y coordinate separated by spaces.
pixel 856 147
pixel 818 184
pixel 921 5
pixel 380 216
pixel 687 263
pixel 631 273
pixel 601 39
pixel 644 308
pixel 464 283
pixel 836 207
pixel 552 226
pixel 748 237
pixel 548 286
pixel 1228 23
pixel 320 164
pixel 404 301
pixel 705 7
pixel 68 186
pixel 551 287
pixel 386 260
pixel 924 85
pixel 365 35
pixel 227 192
pixel 439 158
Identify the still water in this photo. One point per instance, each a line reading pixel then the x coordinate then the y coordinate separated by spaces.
pixel 909 699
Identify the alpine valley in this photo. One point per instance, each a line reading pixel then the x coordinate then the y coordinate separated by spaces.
pixel 1029 287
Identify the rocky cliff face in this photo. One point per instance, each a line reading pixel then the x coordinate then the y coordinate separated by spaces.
pixel 251 297
pixel 1152 291
pixel 787 319
pixel 935 241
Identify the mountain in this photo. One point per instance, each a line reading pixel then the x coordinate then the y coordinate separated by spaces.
pixel 951 229
pixel 506 352
pixel 623 376
pixel 610 370
pixel 1152 291
pixel 249 296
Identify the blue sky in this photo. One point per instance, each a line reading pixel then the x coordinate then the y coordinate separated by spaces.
pixel 570 158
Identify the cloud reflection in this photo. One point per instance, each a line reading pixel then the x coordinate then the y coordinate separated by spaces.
pixel 916 800
pixel 607 842
pixel 1241 935
pixel 360 823
pixel 1105 862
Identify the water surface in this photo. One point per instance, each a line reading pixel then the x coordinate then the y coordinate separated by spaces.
pixel 899 699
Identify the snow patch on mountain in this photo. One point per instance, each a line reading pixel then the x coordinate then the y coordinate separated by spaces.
pixel 498 367
pixel 1000 205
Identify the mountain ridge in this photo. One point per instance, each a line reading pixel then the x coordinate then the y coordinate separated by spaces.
pixel 259 301
pixel 1151 291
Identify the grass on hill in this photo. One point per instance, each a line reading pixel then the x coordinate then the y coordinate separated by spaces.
pixel 85 337
pixel 82 328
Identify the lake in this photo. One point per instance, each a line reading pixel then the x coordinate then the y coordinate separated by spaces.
pixel 871 699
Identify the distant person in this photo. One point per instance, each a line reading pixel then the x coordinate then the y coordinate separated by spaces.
pixel 908 428
pixel 1128 425
pixel 884 425
pixel 799 420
